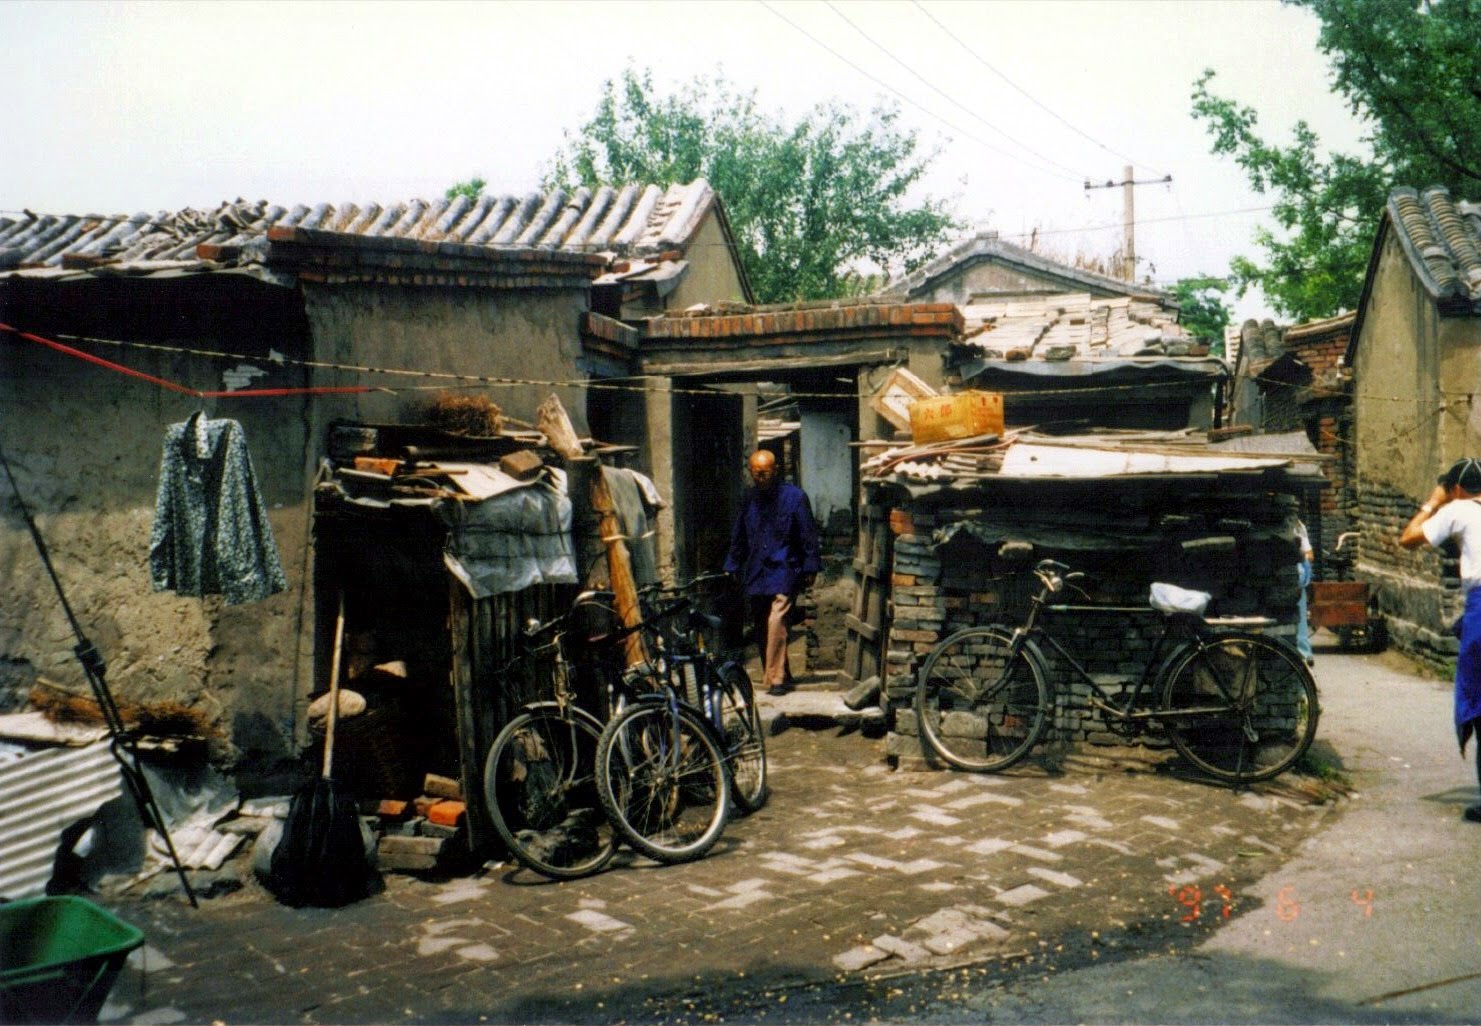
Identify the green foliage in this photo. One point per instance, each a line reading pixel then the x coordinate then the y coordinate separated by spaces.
pixel 809 201
pixel 1203 312
pixel 1411 73
pixel 472 188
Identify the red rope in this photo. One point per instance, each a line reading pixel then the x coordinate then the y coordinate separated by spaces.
pixel 171 386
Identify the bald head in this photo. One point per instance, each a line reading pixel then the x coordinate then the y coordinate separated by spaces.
pixel 763 469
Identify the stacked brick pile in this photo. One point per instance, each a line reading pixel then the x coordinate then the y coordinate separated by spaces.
pixel 1150 532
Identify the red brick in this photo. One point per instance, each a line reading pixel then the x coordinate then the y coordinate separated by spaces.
pixel 447 813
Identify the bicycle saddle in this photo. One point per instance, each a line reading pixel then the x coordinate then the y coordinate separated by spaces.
pixel 1169 598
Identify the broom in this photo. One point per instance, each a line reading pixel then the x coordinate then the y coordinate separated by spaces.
pixel 321 859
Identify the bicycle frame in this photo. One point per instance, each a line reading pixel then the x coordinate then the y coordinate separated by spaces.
pixel 1178 630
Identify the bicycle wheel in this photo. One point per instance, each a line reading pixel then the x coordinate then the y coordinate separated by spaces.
pixel 662 781
pixel 745 738
pixel 539 784
pixel 1241 707
pixel 980 707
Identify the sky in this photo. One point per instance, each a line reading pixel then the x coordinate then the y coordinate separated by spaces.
pixel 126 107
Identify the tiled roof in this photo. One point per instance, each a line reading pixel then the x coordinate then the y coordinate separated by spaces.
pixel 634 219
pixel 1442 238
pixel 987 246
pixel 1300 334
pixel 1075 327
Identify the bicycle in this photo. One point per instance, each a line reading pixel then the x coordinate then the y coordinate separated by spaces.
pixel 1239 706
pixel 666 763
pixel 539 778
pixel 721 691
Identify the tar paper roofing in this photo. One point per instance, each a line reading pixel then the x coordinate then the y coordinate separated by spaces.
pixel 987 247
pixel 966 463
pixel 630 220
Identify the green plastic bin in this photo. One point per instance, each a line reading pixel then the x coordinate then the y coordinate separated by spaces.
pixel 59 958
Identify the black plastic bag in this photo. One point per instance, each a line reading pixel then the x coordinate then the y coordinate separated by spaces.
pixel 321 859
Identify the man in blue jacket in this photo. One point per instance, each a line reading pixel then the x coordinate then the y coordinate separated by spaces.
pixel 774 550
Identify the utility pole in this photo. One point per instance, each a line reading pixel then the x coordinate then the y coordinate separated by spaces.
pixel 1128 216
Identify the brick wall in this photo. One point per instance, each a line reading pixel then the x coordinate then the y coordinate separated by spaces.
pixel 1182 538
pixel 1326 414
pixel 1329 420
pixel 1415 589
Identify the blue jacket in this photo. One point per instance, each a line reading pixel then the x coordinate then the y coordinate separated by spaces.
pixel 775 541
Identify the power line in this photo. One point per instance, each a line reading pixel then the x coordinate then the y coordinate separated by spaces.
pixel 1118 225
pixel 1026 94
pixel 941 92
pixel 930 113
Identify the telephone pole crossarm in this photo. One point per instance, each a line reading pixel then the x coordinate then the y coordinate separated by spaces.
pixel 1128 215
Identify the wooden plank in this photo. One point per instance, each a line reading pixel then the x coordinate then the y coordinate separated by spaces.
pixel 465 704
pixel 859 627
pixel 724 364
pixel 864 569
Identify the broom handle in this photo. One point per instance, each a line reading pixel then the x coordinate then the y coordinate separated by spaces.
pixel 339 638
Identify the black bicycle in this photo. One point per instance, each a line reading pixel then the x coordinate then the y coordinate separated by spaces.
pixel 539 780
pixel 1239 706
pixel 718 687
pixel 669 764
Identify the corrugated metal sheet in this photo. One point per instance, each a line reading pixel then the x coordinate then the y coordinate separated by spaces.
pixel 42 794
pixel 634 219
pixel 1029 460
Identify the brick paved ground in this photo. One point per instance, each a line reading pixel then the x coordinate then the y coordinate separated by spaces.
pixel 851 872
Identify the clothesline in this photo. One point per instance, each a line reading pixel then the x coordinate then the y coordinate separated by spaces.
pixel 173 386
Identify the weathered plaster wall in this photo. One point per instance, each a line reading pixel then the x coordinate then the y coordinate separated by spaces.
pixel 85 442
pixel 988 278
pixel 827 462
pixel 532 336
pixel 712 276
pixel 1407 357
pixel 1397 368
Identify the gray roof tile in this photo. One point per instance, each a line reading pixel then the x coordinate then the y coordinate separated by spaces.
pixel 988 246
pixel 630 220
pixel 1442 239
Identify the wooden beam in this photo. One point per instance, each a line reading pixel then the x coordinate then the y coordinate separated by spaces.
pixel 730 366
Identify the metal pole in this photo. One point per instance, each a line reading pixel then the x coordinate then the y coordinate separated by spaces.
pixel 95 669
pixel 1128 226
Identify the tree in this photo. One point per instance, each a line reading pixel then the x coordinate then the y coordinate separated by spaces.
pixel 813 203
pixel 1201 310
pixel 1411 73
pixel 472 188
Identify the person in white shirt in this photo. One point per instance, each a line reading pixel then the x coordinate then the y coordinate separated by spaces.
pixel 1453 511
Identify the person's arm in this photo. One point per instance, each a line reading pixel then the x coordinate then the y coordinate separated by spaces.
pixel 1413 535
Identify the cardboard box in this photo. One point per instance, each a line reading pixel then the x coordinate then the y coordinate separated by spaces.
pixel 963 415
pixel 900 389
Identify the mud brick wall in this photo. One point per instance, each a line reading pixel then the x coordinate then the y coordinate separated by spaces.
pixel 1246 561
pixel 1418 591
